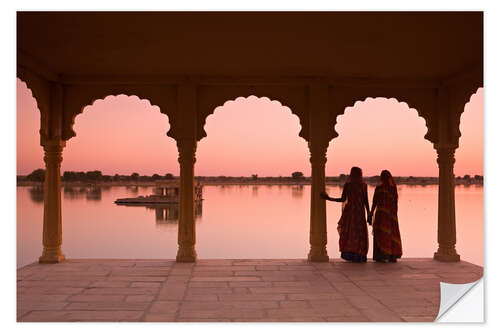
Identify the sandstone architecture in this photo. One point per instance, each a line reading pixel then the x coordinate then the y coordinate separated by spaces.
pixel 188 63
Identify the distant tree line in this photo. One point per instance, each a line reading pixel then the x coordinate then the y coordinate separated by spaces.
pixel 469 178
pixel 38 175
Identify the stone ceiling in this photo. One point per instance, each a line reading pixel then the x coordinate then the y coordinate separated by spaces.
pixel 409 45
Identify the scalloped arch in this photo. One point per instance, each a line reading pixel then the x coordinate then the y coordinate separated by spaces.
pixel 73 119
pixel 422 102
pixel 76 101
pixel 293 98
pixel 33 94
pixel 220 107
pixel 472 93
pixel 373 98
pixel 40 91
pixel 468 94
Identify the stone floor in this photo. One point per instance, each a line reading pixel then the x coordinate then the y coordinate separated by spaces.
pixel 235 290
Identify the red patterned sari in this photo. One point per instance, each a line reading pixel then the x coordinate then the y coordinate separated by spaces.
pixel 352 228
pixel 386 237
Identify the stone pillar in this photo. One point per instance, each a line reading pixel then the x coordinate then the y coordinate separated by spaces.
pixel 446 209
pixel 187 232
pixel 52 222
pixel 317 233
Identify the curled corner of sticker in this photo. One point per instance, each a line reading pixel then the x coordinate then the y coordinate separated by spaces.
pixel 457 306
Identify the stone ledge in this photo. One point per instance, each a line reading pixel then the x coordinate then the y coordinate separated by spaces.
pixel 248 290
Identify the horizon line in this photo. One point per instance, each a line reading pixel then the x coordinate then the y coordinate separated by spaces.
pixel 326 176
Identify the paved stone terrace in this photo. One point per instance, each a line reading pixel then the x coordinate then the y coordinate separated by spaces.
pixel 235 290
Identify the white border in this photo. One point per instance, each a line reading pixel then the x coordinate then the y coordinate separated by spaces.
pixel 492 110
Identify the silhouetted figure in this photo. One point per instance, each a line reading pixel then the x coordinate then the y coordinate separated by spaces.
pixel 353 232
pixel 386 237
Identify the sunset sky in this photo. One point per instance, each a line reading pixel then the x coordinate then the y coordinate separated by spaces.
pixel 248 136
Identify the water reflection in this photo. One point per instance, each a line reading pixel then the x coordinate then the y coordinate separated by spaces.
pixel 297 191
pixel 90 193
pixel 74 193
pixel 168 214
pixel 36 194
pixel 105 188
pixel 134 189
pixel 255 190
pixel 415 185
pixel 94 194
pixel 471 185
pixel 165 214
pixel 233 222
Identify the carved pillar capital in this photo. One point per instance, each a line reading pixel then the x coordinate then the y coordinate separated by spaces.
pixel 317 152
pixel 53 151
pixel 446 155
pixel 187 151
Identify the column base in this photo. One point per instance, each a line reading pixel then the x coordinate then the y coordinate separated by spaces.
pixel 51 256
pixel 318 255
pixel 448 255
pixel 186 254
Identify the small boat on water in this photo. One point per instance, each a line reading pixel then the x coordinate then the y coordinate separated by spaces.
pixel 164 192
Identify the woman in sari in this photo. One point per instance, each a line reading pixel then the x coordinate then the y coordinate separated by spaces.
pixel 386 237
pixel 353 232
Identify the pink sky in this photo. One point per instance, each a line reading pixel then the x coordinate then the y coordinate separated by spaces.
pixel 125 134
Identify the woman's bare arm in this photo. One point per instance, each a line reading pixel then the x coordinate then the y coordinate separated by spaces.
pixel 341 199
pixel 325 196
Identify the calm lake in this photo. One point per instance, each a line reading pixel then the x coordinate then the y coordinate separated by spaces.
pixel 247 221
